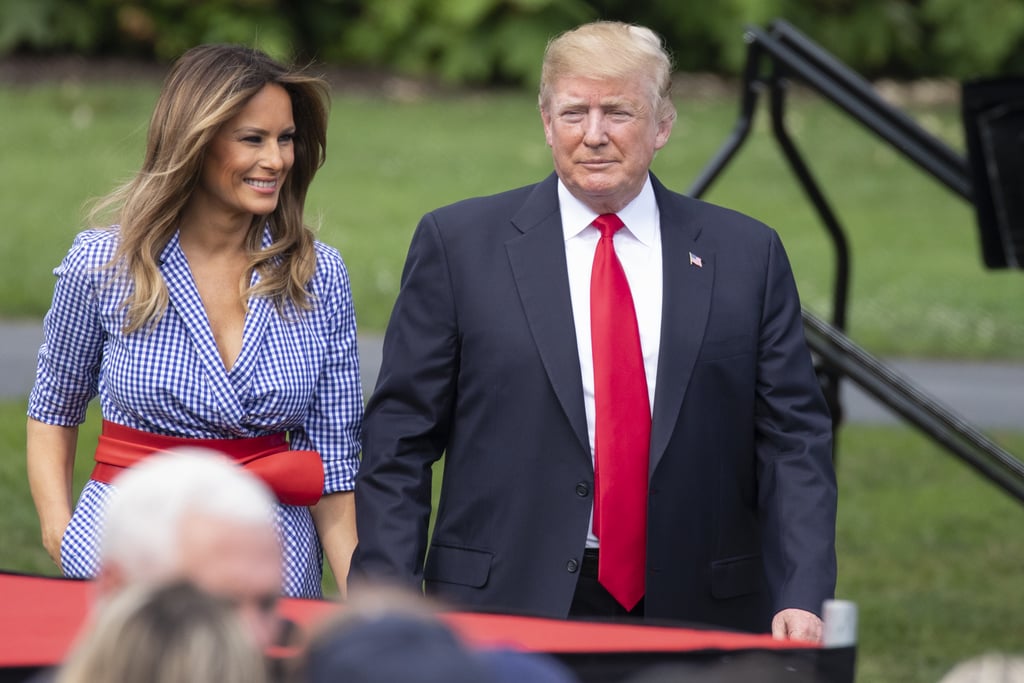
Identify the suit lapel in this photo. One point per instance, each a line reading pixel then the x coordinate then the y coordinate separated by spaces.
pixel 537 258
pixel 685 307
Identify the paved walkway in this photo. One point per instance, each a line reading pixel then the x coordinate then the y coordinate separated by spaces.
pixel 988 395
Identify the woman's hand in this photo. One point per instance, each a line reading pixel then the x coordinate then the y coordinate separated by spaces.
pixel 50 463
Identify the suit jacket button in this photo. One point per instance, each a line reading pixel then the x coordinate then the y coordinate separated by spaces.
pixel 582 490
pixel 572 566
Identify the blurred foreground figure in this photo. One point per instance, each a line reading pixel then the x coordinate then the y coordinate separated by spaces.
pixel 993 667
pixel 195 515
pixel 174 633
pixel 388 634
pixel 391 648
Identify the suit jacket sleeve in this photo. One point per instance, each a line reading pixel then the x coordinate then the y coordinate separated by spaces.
pixel 796 480
pixel 406 421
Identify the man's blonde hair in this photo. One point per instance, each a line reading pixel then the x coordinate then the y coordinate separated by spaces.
pixel 611 50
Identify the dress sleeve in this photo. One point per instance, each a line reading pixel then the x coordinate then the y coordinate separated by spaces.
pixel 68 366
pixel 334 418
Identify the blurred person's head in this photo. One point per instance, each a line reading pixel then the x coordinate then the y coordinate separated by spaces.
pixel 172 633
pixel 195 514
pixel 388 633
pixel 517 666
pixel 992 667
pixel 385 648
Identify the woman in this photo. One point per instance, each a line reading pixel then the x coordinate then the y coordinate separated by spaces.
pixel 167 634
pixel 208 315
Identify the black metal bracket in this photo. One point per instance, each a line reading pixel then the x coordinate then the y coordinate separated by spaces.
pixel 896 392
pixel 782 54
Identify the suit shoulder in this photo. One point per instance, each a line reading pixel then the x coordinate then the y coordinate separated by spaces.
pixel 715 216
pixel 718 225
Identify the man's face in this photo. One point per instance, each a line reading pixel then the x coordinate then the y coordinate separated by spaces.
pixel 603 135
pixel 238 562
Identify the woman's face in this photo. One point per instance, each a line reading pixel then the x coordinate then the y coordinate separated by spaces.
pixel 248 160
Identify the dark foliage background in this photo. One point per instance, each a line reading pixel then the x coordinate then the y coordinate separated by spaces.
pixel 484 42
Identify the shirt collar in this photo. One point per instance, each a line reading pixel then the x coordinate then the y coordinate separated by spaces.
pixel 640 215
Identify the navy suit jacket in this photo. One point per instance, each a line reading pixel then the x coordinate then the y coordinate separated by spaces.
pixel 480 364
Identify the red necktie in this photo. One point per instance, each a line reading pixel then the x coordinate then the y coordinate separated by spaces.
pixel 623 424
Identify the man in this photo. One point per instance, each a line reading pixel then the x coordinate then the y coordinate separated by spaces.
pixel 192 514
pixel 655 375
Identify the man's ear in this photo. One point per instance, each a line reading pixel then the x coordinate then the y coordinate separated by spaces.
pixel 545 117
pixel 664 131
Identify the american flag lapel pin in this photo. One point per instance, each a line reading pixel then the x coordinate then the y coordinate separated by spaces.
pixel 695 260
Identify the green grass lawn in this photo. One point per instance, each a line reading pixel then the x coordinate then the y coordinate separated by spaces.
pixel 919 287
pixel 932 555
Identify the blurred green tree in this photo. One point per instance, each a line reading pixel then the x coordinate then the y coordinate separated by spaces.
pixel 501 41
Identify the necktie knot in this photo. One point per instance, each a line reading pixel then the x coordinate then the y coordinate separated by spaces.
pixel 608 224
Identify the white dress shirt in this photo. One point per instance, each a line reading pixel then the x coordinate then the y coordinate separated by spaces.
pixel 638 247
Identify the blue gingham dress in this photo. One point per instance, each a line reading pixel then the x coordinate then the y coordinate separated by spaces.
pixel 297 373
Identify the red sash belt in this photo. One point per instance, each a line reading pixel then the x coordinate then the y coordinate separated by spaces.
pixel 295 477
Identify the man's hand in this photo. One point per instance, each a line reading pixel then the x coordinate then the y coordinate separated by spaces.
pixel 796 624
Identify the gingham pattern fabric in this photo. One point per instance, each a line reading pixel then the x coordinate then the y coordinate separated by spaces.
pixel 80 547
pixel 297 372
